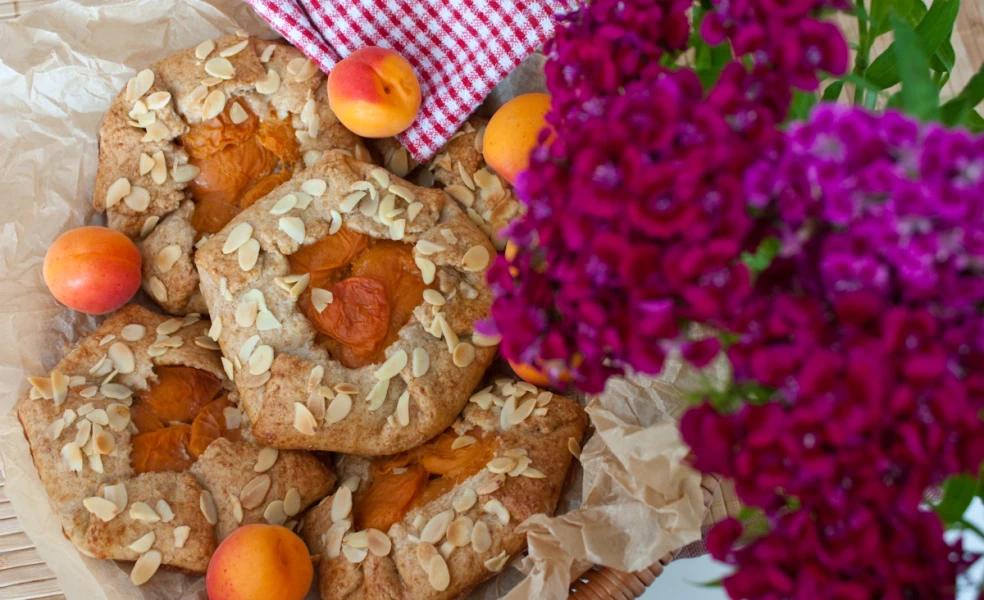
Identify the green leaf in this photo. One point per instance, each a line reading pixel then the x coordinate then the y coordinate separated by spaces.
pixel 879 16
pixel 914 11
pixel 920 96
pixel 764 255
pixel 714 583
pixel 956 111
pixel 833 91
pixel 748 513
pixel 802 104
pixel 931 32
pixel 975 122
pixel 958 492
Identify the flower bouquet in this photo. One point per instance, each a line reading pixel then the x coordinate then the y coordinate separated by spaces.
pixel 733 164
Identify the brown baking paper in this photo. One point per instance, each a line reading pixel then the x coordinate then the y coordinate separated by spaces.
pixel 60 66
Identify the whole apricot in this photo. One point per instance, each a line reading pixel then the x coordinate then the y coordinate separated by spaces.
pixel 374 92
pixel 513 132
pixel 260 562
pixel 94 270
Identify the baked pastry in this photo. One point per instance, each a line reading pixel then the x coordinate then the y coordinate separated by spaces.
pixel 460 170
pixel 115 431
pixel 345 302
pixel 197 137
pixel 437 520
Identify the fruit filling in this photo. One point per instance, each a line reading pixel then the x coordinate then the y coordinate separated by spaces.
pixel 403 482
pixel 375 286
pixel 177 418
pixel 238 163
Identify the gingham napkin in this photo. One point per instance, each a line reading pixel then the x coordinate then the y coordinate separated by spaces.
pixel 459 48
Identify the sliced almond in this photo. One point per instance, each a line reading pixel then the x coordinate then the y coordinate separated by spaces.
pixel 459 531
pixel 184 173
pixel 141 511
pixel 54 430
pixel 522 463
pixel 350 201
pixel 321 299
pixel 476 259
pixel 398 229
pixel 462 194
pixel 204 49
pixel 341 505
pixel 427 247
pixel 292 502
pixel 103 443
pixel 293 227
pixel 427 269
pixel 159 173
pixel 43 385
pixel 485 341
pixel 533 473
pixel 203 341
pixel 481 538
pixel 138 199
pixel 413 210
pixel 145 567
pixel 220 67
pixel 462 442
pixel 156 132
pixel 304 420
pixel 393 365
pixel 274 513
pixel 399 162
pixel 403 409
pixel 463 354
pixel 333 538
pixel 167 256
pixel 104 509
pixel 378 542
pixel 117 191
pixel 421 362
pixel 164 510
pixel 145 166
pixel 496 563
pixel 144 543
pixel 261 360
pixel 207 505
pixel 158 100
pixel 425 552
pixel 122 357
pixel 437 573
pixel 503 464
pixel 59 387
pixel 352 483
pixel 465 501
pixel 449 335
pixel 237 113
pixel 284 205
pixel 181 535
pixel 234 49
pixel 98 417
pixel 254 492
pixel 214 104
pixel 355 555
pixel 315 187
pixel 466 177
pixel 239 235
pixel 83 433
pixel 265 460
pixel 377 395
pixel 494 507
pixel 339 408
pixel 227 368
pixel 249 253
pixel 436 527
pixel 142 82
pixel 523 411
pixel 300 285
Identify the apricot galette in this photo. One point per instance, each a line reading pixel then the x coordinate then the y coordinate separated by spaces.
pixel 344 303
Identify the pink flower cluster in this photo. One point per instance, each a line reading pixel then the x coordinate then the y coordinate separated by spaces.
pixel 866 330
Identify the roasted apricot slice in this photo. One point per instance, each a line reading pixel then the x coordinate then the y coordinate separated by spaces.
pixel 322 258
pixel 162 450
pixel 358 317
pixel 180 393
pixel 210 425
pixel 389 497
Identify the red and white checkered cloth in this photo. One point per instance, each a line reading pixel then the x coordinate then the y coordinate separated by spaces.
pixel 459 48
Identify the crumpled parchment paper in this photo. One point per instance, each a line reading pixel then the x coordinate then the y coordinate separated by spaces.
pixel 60 66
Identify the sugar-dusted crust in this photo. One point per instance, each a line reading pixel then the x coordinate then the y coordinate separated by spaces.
pixel 181 75
pixel 271 400
pixel 544 437
pixel 186 344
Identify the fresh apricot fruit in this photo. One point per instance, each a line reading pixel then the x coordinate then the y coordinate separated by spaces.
pixel 260 562
pixel 94 270
pixel 513 132
pixel 374 92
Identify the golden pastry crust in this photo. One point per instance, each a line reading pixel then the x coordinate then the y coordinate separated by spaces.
pixel 301 374
pixel 75 396
pixel 165 220
pixel 460 169
pixel 542 438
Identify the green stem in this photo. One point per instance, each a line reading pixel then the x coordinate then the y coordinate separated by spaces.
pixel 972 527
pixel 864 52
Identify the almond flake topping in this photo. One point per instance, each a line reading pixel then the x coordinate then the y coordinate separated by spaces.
pixel 59 387
pixel 307 70
pixel 481 539
pixel 339 408
pixel 249 253
pixel 102 508
pixel 207 505
pixel 462 194
pixel 220 67
pixel 424 553
pixel 141 84
pixel 144 543
pixel 145 567
pixel 274 513
pixel 159 173
pixel 214 104
pixel 240 234
pixel 465 501
pixel 265 460
pixel 463 354
pixel 204 49
pixel 55 429
pixel 303 419
pixel 421 362
pixel 379 542
pixel 181 535
pixel 157 289
pixel 141 511
pixel 428 248
pixel 476 259
pixel 403 409
pixel 265 321
pixel 267 53
pixel 413 210
pixel 341 505
pixel 122 357
pixel 237 508
pixel 237 113
pixel 437 573
pixel 462 442
pixel 494 507
pixel 436 527
pixel 333 538
pixel 485 340
pixel 293 227
pixel 269 84
pixel 427 268
pixel 315 187
pixel 158 100
pixel 164 510
pixel 350 201
pixel 434 297
pixel 261 360
pixel 355 555
pixel 292 502
pixel 254 492
pixel 459 531
pixel 146 164
pixel 284 205
pixel 234 49
pixel 133 332
pixel 503 464
pixel 496 563
pixel 138 199
pixel 393 365
pixel 184 173
pixel 377 395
